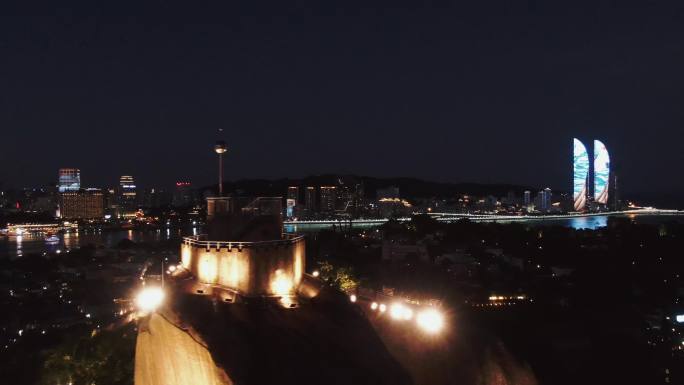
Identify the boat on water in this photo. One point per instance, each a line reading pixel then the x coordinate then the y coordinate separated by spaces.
pixel 51 239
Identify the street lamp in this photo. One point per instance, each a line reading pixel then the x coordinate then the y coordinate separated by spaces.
pixel 149 299
pixel 220 148
pixel 399 311
pixel 430 321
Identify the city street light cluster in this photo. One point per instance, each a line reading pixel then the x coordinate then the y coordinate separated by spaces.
pixel 428 319
pixel 174 269
pixel 381 307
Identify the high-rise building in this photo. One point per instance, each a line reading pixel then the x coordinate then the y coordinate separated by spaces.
pixel 82 204
pixel 272 206
pixel 127 195
pixel 601 172
pixel 155 198
pixel 344 197
pixel 542 201
pixel 545 199
pixel 527 198
pixel 182 196
pixel 69 179
pixel 328 198
pixel 511 198
pixel 291 201
pixel 293 193
pixel 310 199
pixel 290 205
pixel 43 202
pixel 349 195
pixel 581 172
pixel 110 200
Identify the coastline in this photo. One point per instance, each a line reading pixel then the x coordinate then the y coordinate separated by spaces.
pixel 448 217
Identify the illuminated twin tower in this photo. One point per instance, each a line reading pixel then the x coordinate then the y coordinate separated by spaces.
pixel 581 174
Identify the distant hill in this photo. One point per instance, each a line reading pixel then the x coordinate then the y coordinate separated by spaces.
pixel 408 187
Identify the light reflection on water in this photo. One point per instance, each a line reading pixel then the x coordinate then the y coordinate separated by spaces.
pixel 588 222
pixel 577 223
pixel 596 222
pixel 21 245
pixel 19 240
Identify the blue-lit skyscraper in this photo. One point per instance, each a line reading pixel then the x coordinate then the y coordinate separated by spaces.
pixel 69 179
pixel 581 172
pixel 545 199
pixel 601 172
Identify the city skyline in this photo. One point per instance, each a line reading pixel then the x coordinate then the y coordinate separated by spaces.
pixel 341 192
pixel 60 182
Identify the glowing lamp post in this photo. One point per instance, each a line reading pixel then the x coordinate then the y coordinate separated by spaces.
pixel 220 148
pixel 149 299
pixel 430 321
pixel 401 312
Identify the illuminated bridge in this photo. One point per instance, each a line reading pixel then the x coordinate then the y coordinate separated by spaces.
pixel 448 217
pixel 451 217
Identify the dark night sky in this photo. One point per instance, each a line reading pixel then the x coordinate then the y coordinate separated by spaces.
pixel 484 91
